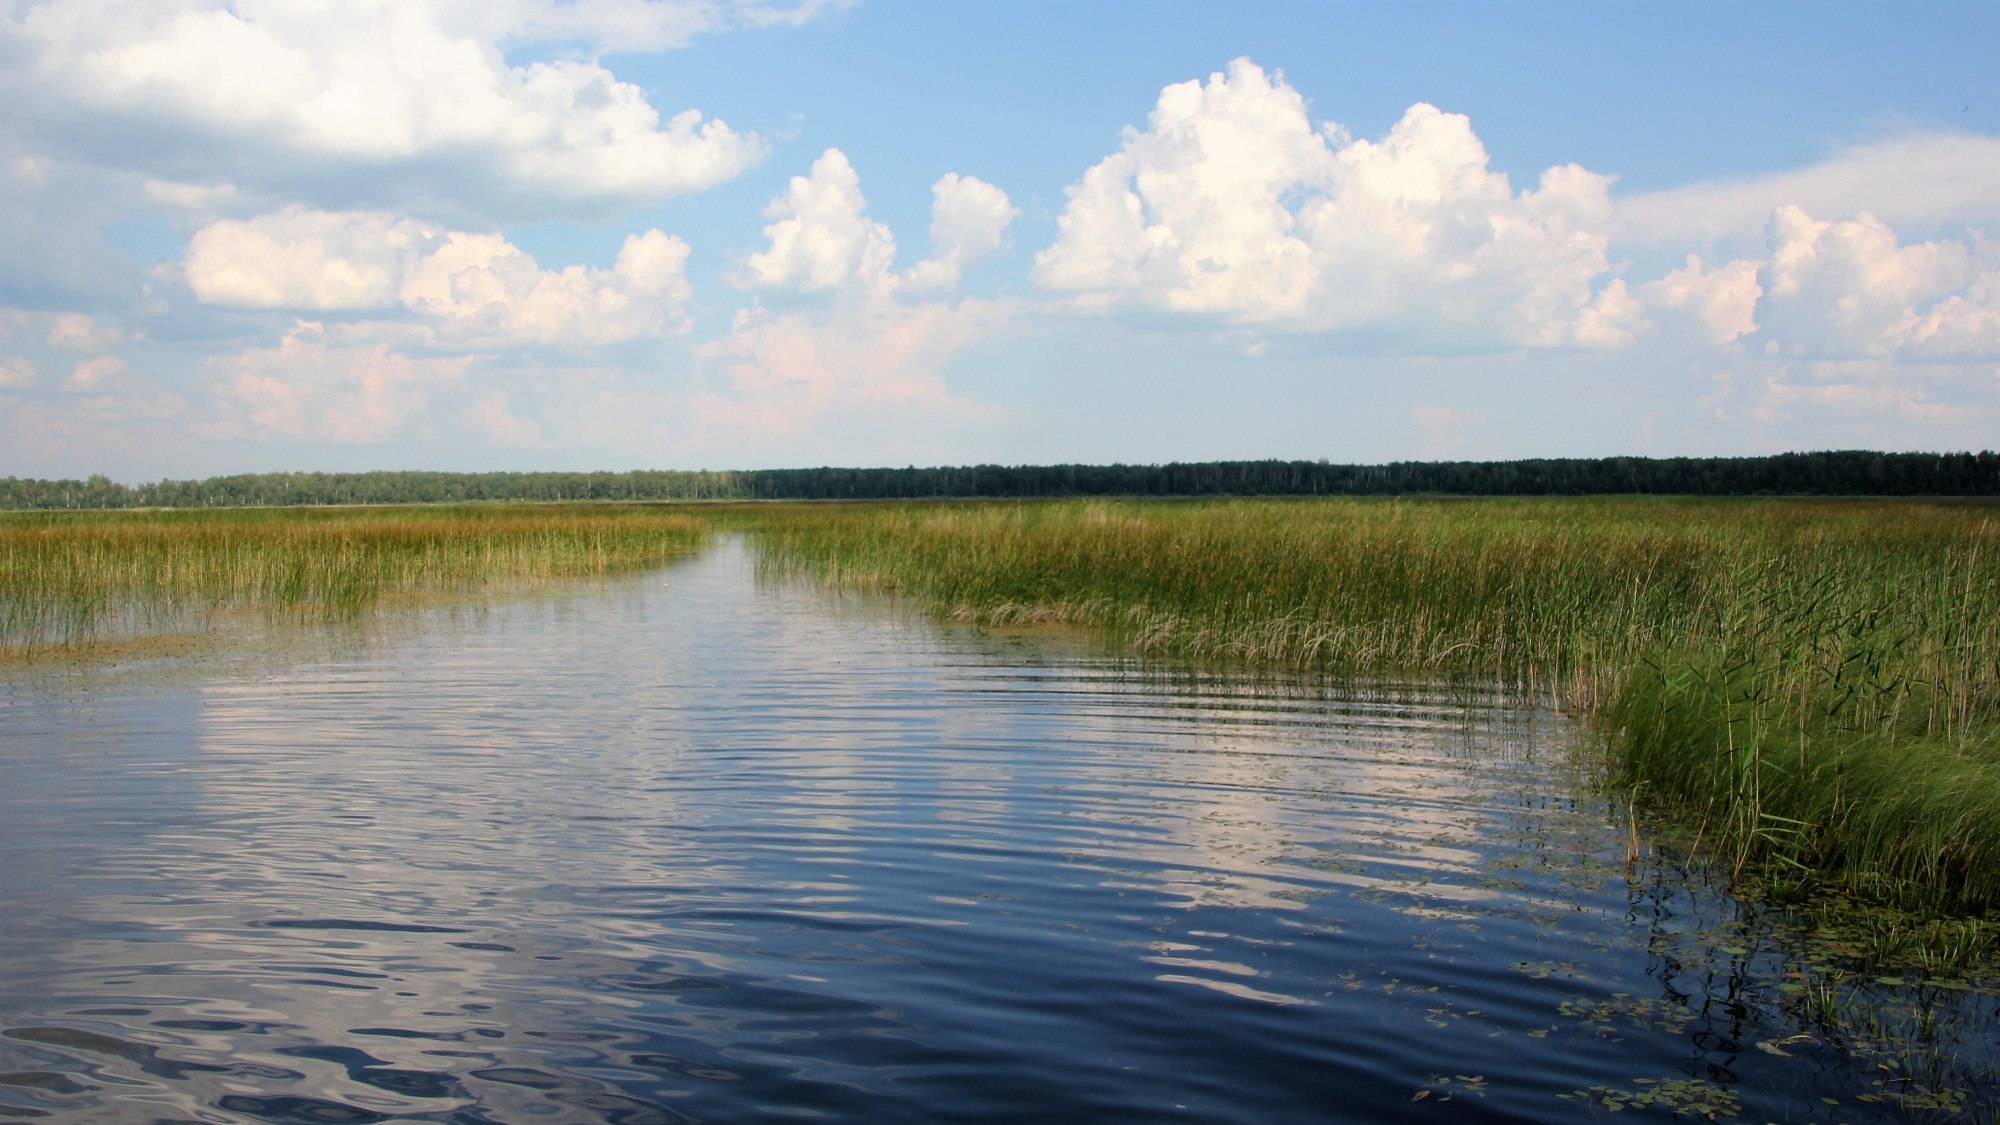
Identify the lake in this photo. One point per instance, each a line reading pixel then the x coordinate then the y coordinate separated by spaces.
pixel 696 846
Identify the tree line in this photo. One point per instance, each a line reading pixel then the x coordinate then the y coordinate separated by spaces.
pixel 1833 473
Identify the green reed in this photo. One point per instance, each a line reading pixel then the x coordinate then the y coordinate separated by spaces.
pixel 1816 684
pixel 67 579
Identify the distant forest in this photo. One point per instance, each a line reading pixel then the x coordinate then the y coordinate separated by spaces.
pixel 1844 473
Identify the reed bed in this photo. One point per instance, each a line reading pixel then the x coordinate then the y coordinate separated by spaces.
pixel 1815 685
pixel 67 579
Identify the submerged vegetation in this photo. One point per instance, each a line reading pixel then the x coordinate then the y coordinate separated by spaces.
pixel 70 578
pixel 1815 684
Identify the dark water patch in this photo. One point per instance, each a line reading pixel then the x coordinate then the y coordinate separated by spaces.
pixel 314 982
pixel 295 1110
pixel 215 1025
pixel 406 1033
pixel 521 1076
pixel 331 971
pixel 51 1081
pixel 353 924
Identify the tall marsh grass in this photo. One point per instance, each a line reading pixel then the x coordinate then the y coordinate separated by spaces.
pixel 71 578
pixel 1816 683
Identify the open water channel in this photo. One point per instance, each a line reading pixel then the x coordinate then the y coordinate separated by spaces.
pixel 691 846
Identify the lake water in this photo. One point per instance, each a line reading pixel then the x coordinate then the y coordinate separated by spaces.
pixel 689 846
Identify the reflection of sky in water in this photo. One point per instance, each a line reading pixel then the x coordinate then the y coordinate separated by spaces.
pixel 702 849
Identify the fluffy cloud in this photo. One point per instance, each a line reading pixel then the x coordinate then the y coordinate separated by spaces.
pixel 821 238
pixel 1232 204
pixel 1838 289
pixel 480 290
pixel 474 290
pixel 401 102
pixel 1852 288
pixel 864 344
pixel 969 220
pixel 303 259
pixel 1712 306
pixel 1191 214
pixel 307 388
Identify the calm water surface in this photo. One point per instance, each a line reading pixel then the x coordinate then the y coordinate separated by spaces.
pixel 716 850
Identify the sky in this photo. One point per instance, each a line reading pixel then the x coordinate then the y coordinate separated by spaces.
pixel 479 235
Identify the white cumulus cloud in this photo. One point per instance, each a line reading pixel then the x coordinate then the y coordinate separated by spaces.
pixel 304 259
pixel 1233 204
pixel 473 289
pixel 1837 289
pixel 1713 306
pixel 872 341
pixel 478 289
pixel 1191 214
pixel 969 220
pixel 1852 288
pixel 408 104
pixel 821 238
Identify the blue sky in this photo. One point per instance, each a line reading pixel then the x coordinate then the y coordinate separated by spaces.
pixel 693 233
